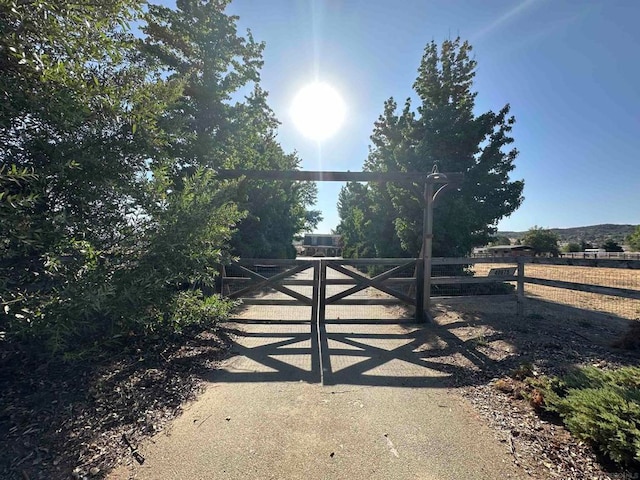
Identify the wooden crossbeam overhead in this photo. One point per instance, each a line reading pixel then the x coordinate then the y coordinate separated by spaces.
pixel 321 176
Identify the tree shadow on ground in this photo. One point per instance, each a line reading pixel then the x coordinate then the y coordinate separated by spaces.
pixel 59 416
pixel 552 336
pixel 469 342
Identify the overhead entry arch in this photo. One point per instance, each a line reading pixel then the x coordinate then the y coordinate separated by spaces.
pixel 422 272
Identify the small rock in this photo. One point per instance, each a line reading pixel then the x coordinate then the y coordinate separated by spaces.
pixel 94 471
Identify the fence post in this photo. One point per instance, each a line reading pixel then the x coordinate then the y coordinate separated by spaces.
pixel 420 314
pixel 322 292
pixel 520 288
pixel 219 279
pixel 427 243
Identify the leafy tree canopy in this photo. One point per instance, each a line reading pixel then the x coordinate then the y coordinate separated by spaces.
pixel 543 241
pixel 634 240
pixel 500 240
pixel 442 130
pixel 584 245
pixel 572 247
pixel 109 203
pixel 197 45
pixel 611 246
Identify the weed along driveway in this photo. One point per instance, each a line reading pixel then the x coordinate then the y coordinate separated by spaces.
pixel 385 409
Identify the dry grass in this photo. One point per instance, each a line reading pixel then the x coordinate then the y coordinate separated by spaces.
pixel 605 277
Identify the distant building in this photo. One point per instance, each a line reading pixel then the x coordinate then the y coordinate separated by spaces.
pixel 320 245
pixel 505 251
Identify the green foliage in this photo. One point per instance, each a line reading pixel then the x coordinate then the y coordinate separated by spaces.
pixel 634 240
pixel 543 241
pixel 205 129
pixel 600 407
pixel 113 219
pixel 357 211
pixel 192 308
pixel 590 235
pixel 611 246
pixel 584 245
pixel 71 172
pixel 572 247
pixel 443 130
pixel 499 240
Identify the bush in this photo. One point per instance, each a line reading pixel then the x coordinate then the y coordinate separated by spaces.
pixel 600 407
pixel 193 309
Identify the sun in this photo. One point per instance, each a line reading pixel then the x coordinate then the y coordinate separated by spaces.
pixel 318 111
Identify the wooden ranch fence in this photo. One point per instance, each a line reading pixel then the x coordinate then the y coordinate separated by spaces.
pixel 609 286
pixel 614 285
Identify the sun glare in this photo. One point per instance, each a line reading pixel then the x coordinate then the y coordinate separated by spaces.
pixel 318 111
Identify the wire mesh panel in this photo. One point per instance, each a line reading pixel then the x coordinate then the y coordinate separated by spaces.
pixel 460 277
pixel 271 289
pixel 369 289
pixel 625 279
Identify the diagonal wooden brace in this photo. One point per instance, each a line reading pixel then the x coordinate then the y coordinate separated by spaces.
pixel 375 282
pixel 273 283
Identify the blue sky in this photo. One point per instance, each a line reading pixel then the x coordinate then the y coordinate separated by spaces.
pixel 569 69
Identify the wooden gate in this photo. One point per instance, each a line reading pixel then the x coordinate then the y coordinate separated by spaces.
pixel 273 282
pixel 326 288
pixel 373 282
pixel 322 283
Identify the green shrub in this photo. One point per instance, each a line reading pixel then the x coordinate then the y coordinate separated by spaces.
pixel 599 407
pixel 192 308
pixel 75 295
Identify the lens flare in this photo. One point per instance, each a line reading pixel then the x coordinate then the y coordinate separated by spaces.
pixel 318 111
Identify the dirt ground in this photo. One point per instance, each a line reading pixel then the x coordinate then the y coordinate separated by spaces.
pixel 548 340
pixel 605 277
pixel 77 421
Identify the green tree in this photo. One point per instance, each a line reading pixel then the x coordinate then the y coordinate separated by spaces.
pixel 353 205
pixel 584 245
pixel 611 246
pixel 633 240
pixel 572 247
pixel 443 130
pixel 543 241
pixel 72 175
pixel 109 212
pixel 197 45
pixel 500 240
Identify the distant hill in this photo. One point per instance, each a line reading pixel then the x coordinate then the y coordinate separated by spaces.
pixel 593 234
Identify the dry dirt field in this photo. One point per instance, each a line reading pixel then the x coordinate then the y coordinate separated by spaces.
pixel 605 277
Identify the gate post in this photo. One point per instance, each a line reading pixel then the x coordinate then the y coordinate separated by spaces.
pixel 420 316
pixel 322 293
pixel 427 226
pixel 427 241
pixel 520 288
pixel 218 286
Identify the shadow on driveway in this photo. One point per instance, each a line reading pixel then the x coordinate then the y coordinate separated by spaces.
pixel 350 352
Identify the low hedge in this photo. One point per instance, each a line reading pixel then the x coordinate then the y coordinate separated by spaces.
pixel 598 406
